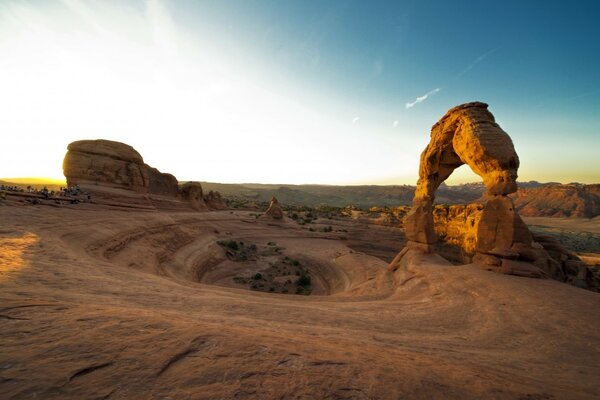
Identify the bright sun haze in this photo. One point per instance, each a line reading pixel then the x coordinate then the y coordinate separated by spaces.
pixel 296 92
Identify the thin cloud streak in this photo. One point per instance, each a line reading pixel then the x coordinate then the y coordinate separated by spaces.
pixel 421 99
pixel 477 60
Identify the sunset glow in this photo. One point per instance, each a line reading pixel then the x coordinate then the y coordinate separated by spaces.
pixel 202 94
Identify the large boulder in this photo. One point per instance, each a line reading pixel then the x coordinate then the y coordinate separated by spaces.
pixel 114 164
pixel 107 163
pixel 192 193
pixel 274 211
pixel 214 201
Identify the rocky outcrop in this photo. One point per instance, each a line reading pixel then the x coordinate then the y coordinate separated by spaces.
pixel 161 183
pixel 214 201
pixel 468 134
pixel 274 211
pixel 459 225
pixel 115 164
pixel 107 163
pixel 192 193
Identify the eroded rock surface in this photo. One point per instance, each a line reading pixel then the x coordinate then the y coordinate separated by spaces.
pixel 214 201
pixel 105 162
pixel 468 134
pixel 458 225
pixel 114 164
pixel 274 210
pixel 192 192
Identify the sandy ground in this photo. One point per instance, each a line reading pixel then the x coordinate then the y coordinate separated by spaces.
pixel 121 304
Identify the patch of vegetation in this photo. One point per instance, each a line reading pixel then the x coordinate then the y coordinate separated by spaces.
pixel 304 279
pixel 238 251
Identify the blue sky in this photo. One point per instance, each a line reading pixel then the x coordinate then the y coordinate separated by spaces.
pixel 301 91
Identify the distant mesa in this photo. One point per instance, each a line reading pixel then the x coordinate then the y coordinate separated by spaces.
pixel 110 164
pixel 468 134
pixel 556 200
pixel 274 211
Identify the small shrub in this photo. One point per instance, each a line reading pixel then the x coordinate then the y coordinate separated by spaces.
pixel 257 276
pixel 304 280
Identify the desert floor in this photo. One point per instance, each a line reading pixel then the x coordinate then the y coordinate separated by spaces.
pixel 99 303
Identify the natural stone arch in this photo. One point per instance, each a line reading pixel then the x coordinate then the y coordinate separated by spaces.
pixel 468 134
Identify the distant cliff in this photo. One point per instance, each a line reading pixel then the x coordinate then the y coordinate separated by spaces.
pixel 556 200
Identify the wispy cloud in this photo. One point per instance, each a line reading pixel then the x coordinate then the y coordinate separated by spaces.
pixel 421 99
pixel 476 61
pixel 395 123
pixel 355 120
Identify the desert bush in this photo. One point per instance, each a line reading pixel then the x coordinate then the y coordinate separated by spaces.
pixel 304 279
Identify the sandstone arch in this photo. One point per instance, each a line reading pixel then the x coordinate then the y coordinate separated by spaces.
pixel 468 134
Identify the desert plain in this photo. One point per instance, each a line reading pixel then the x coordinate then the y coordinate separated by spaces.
pixel 112 302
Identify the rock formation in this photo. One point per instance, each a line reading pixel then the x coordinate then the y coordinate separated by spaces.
pixel 274 210
pixel 113 164
pixel 214 201
pixel 468 134
pixel 161 183
pixel 458 225
pixel 107 163
pixel 192 192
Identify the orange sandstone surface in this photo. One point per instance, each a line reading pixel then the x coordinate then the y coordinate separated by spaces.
pixel 145 293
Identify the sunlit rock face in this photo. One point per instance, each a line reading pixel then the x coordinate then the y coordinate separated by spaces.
pixel 110 163
pixel 458 225
pixel 274 210
pixel 105 162
pixel 468 134
pixel 114 164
